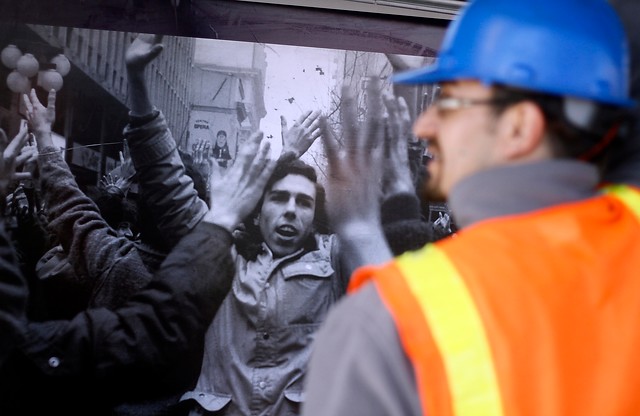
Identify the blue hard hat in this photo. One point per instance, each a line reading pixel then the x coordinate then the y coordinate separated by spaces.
pixel 572 48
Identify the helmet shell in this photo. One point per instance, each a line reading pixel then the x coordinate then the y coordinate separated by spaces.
pixel 564 47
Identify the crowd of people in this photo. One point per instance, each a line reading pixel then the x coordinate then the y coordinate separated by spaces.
pixel 244 286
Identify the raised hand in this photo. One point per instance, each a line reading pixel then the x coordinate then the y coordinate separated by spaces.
pixel 144 49
pixel 235 195
pixel 11 158
pixel 127 170
pixel 353 188
pixel 201 150
pixel 41 118
pixel 443 223
pixel 396 169
pixel 30 155
pixel 299 138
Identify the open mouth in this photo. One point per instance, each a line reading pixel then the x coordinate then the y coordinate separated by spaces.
pixel 286 231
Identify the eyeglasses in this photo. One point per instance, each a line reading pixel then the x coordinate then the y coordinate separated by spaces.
pixel 457 103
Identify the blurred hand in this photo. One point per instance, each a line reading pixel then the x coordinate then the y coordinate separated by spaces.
pixel 396 170
pixel 299 138
pixel 235 194
pixel 354 180
pixel 144 49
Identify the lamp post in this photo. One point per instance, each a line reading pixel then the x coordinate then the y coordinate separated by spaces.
pixel 26 72
pixel 48 75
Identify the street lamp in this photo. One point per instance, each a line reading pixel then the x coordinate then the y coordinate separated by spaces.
pixel 26 66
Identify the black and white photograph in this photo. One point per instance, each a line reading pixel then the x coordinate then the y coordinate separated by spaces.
pixel 296 207
pixel 169 210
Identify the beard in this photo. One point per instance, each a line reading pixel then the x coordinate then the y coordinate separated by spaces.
pixel 428 186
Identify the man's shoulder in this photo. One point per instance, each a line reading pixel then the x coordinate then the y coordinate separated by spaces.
pixel 363 310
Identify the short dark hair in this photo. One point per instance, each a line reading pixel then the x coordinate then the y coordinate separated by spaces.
pixel 568 139
pixel 224 133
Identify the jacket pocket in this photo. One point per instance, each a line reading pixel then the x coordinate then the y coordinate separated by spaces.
pixel 211 402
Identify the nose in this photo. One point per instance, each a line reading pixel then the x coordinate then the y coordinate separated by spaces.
pixel 290 208
pixel 426 126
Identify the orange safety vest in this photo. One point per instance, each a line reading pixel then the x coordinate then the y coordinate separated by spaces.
pixel 534 314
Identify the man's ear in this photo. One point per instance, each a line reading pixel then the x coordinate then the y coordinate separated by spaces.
pixel 522 132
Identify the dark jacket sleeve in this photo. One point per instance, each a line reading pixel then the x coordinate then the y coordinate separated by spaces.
pixel 157 329
pixel 93 248
pixel 167 190
pixel 13 297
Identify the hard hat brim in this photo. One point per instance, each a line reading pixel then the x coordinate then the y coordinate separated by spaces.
pixel 425 75
pixel 432 74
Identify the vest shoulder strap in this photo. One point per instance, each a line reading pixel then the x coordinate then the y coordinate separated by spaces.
pixel 454 323
pixel 627 194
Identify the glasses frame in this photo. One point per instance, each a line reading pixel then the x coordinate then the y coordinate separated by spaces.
pixel 458 103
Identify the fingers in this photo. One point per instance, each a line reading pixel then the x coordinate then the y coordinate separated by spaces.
pixel 374 129
pixel 246 156
pixel 250 148
pixel 28 106
pixel 51 100
pixel 22 176
pixel 27 156
pixel 125 149
pixel 261 162
pixel 308 118
pixel 33 97
pixel 331 145
pixel 21 158
pixel 264 167
pixel 405 115
pixel 155 51
pixel 399 125
pixel 4 140
pixel 349 117
pixel 392 110
pixel 15 145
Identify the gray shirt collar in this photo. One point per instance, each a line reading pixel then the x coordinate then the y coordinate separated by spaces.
pixel 516 189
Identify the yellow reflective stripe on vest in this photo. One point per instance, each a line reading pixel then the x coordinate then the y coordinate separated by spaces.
pixel 629 196
pixel 457 330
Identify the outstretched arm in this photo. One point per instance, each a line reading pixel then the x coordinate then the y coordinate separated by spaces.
pixel 13 287
pixel 163 324
pixel 402 221
pixel 111 264
pixel 353 187
pixel 235 195
pixel 10 157
pixel 167 190
pixel 144 49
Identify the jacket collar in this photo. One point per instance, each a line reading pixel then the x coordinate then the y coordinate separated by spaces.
pixel 516 189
